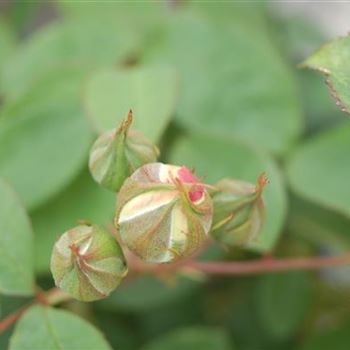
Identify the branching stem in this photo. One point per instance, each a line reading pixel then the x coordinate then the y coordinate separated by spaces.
pixel 251 267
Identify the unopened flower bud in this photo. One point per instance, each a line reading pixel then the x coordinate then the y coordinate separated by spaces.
pixel 239 211
pixel 87 263
pixel 117 153
pixel 164 212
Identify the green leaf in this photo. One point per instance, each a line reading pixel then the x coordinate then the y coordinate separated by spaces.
pixel 51 329
pixel 338 339
pixel 44 137
pixel 319 226
pixel 193 338
pixel 7 43
pixel 332 60
pixel 282 301
pixel 155 293
pixel 83 199
pixel 297 36
pixel 184 312
pixel 89 41
pixel 231 85
pixel 319 170
pixel 20 14
pixel 16 245
pixel 140 16
pixel 119 333
pixel 150 92
pixel 216 158
pixel 325 229
pixel 237 302
pixel 320 109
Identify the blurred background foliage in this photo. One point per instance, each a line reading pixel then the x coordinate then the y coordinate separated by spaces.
pixel 217 87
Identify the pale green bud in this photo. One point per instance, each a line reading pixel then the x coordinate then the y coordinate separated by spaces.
pixel 87 263
pixel 164 213
pixel 239 211
pixel 116 154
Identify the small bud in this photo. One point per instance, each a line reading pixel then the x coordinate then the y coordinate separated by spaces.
pixel 239 211
pixel 164 212
pixel 116 154
pixel 88 263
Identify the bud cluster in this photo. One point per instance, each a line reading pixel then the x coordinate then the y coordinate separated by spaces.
pixel 164 213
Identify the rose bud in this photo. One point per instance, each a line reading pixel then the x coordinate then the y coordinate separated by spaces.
pixel 117 153
pixel 87 263
pixel 164 213
pixel 239 211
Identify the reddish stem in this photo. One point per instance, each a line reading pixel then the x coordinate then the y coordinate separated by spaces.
pixel 251 267
pixel 52 297
pixel 269 265
pixel 10 319
pixel 56 296
pixel 264 265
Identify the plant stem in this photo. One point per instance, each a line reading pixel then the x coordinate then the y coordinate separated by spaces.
pixel 252 267
pixel 52 297
pixel 10 319
pixel 269 265
pixel 56 296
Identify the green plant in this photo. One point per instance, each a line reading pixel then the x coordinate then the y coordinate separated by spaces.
pixel 215 88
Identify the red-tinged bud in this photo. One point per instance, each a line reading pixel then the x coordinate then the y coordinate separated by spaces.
pixel 239 212
pixel 164 213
